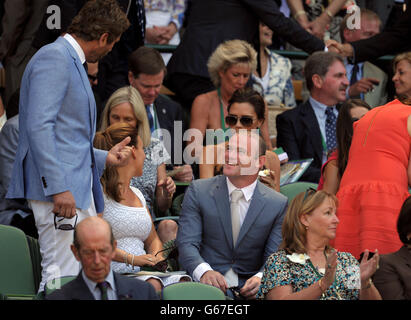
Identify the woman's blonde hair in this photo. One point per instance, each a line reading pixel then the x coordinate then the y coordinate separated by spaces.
pixel 229 53
pixel 402 56
pixel 132 96
pixel 294 232
pixel 107 139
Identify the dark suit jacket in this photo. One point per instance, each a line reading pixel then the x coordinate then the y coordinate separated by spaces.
pixel 212 22
pixel 298 133
pixel 127 289
pixel 167 112
pixel 393 40
pixel 393 278
pixel 205 233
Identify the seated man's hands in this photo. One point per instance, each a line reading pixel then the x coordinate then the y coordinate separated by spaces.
pixel 185 174
pixel 250 288
pixel 363 85
pixel 215 279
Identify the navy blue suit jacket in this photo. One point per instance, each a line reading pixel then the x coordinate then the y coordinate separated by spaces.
pixel 298 133
pixel 127 289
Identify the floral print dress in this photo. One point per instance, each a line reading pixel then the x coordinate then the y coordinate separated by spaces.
pixel 297 270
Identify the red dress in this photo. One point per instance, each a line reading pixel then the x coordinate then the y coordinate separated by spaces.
pixel 375 183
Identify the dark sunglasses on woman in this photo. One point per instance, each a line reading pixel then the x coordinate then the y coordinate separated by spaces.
pixel 232 120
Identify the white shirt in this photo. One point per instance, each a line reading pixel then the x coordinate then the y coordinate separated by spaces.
pixel 244 204
pixel 111 291
pixel 76 47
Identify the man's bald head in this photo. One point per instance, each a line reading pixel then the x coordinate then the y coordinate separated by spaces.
pixel 92 225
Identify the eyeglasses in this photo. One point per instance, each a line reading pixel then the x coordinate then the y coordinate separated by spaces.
pixel 308 191
pixel 91 77
pixel 246 121
pixel 64 226
pixel 236 293
pixel 163 264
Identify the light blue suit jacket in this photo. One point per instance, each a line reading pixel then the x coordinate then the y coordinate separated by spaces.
pixel 57 121
pixel 205 234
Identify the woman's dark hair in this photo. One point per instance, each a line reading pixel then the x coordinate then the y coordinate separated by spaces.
pixel 404 221
pixel 107 139
pixel 251 96
pixel 345 131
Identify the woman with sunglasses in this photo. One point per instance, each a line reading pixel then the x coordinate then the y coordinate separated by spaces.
pixel 378 173
pixel 230 67
pixel 126 209
pixel 245 110
pixel 305 267
pixel 332 170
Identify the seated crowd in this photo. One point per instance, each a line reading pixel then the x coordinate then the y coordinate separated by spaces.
pixel 100 154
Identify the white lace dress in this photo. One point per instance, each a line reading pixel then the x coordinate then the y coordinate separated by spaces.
pixel 131 227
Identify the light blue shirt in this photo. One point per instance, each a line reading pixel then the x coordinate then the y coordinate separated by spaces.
pixel 319 110
pixel 95 291
pixel 348 68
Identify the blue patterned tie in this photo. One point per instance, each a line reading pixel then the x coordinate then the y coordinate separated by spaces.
pixel 150 118
pixel 103 286
pixel 330 127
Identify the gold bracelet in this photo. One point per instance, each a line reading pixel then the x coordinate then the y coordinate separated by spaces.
pixel 320 285
pixel 328 12
pixel 299 13
pixel 369 284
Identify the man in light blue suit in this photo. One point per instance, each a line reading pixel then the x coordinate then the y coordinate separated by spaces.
pixel 223 241
pixel 56 167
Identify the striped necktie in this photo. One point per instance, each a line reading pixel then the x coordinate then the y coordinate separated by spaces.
pixel 103 286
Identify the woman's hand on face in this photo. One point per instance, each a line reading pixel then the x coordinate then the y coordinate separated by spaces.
pixel 330 268
pixel 369 266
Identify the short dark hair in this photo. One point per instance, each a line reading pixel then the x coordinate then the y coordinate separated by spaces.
pixel 404 221
pixel 146 60
pixel 97 17
pixel 251 96
pixel 319 63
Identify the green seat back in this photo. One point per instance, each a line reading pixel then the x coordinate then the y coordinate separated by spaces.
pixel 16 271
pixel 35 254
pixel 292 189
pixel 55 284
pixel 192 291
pixel 176 206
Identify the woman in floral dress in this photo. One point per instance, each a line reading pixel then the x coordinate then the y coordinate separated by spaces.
pixel 306 267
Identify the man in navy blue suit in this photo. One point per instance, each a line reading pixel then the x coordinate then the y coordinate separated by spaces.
pixel 308 131
pixel 95 247
pixel 146 73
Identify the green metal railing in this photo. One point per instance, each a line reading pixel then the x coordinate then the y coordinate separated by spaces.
pixel 298 55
